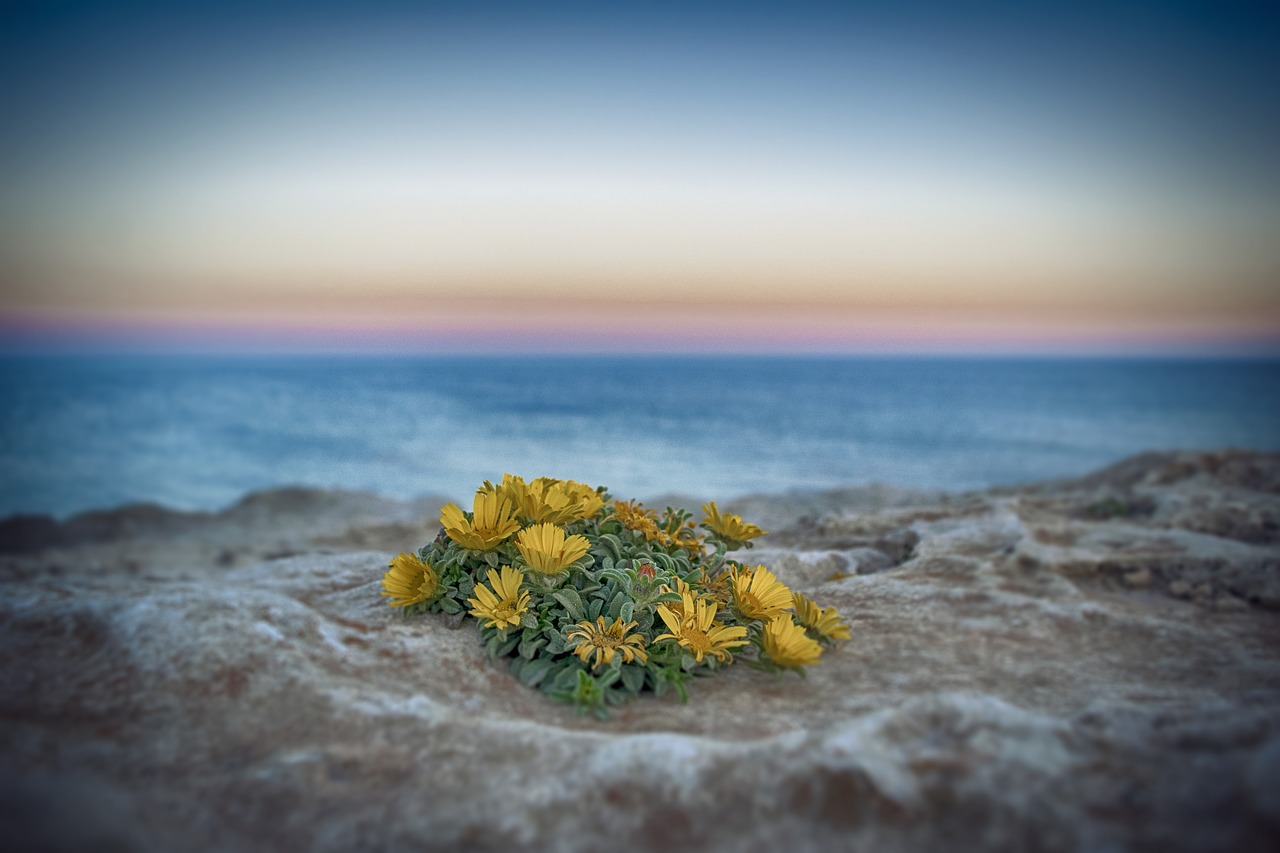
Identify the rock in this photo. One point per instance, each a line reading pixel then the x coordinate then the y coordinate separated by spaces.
pixel 868 561
pixel 1138 579
pixel 1018 680
pixel 1262 781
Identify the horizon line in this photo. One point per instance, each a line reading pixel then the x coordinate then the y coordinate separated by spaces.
pixel 874 336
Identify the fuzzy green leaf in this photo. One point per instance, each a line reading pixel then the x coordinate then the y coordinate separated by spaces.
pixel 566 675
pixel 664 562
pixel 611 546
pixel 572 602
pixel 633 678
pixel 529 648
pixel 534 671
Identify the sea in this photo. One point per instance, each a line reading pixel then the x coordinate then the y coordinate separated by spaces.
pixel 200 431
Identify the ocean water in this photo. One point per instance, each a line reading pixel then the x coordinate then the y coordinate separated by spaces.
pixel 198 432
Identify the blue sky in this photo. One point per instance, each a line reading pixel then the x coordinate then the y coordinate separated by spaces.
pixel 945 172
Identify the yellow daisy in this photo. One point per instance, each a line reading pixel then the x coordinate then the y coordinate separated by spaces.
pixel 501 604
pixel 787 644
pixel 551 501
pixel 512 488
pixel 730 528
pixel 548 500
pixel 699 632
pixel 588 499
pixel 684 590
pixel 635 516
pixel 826 622
pixel 409 580
pixel 719 589
pixel 548 550
pixel 759 595
pixel 605 640
pixel 490 525
pixel 680 533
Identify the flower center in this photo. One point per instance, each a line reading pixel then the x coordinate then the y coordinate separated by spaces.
pixel 605 641
pixel 697 640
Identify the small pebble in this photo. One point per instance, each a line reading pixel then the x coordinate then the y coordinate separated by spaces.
pixel 1230 604
pixel 1140 579
pixel 1180 588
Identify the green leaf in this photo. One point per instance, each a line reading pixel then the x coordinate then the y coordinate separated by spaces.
pixel 633 678
pixel 491 558
pixel 572 602
pixel 612 546
pixel 529 648
pixel 627 611
pixel 567 675
pixel 593 611
pixel 533 672
pixel 615 606
pixel 528 621
pixel 507 646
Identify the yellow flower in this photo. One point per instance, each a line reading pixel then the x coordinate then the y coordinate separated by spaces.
pixel 634 516
pixel 605 640
pixel 698 631
pixel 409 580
pixel 515 490
pixel 548 550
pixel 672 533
pixel 547 499
pixel 588 499
pixel 503 605
pixel 730 528
pixel 490 525
pixel 787 644
pixel 759 594
pixel 677 607
pixel 825 621
pixel 511 488
pixel 719 589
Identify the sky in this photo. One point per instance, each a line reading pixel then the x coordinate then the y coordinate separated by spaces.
pixel 799 177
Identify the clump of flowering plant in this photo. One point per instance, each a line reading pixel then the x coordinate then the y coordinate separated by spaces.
pixel 595 600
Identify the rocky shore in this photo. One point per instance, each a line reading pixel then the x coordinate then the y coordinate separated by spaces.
pixel 1090 664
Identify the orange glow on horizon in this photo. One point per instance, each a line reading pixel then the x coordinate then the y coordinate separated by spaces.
pixel 444 325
